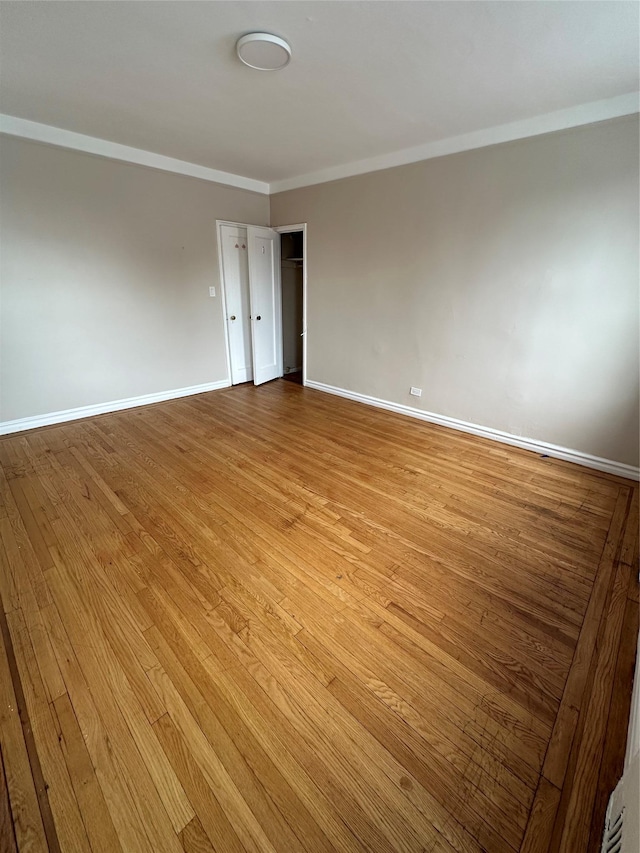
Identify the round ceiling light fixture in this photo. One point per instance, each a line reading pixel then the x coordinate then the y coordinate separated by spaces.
pixel 263 51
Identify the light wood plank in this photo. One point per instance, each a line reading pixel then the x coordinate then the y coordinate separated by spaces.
pixel 27 826
pixel 100 829
pixel 264 619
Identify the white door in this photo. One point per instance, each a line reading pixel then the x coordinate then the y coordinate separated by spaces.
pixel 266 309
pixel 235 266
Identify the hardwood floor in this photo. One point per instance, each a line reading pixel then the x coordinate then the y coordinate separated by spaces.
pixel 273 620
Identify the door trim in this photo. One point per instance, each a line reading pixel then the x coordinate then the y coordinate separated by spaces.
pixel 287 229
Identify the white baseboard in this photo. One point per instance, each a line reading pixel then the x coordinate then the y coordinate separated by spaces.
pixel 22 424
pixel 565 453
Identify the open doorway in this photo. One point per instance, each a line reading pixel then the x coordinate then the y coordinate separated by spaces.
pixel 293 277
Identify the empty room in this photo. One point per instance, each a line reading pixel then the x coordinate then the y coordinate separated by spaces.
pixel 319 426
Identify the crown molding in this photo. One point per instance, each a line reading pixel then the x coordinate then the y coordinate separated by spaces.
pixel 12 126
pixel 594 111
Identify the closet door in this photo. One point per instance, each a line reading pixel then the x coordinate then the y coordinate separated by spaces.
pixel 266 298
pixel 235 266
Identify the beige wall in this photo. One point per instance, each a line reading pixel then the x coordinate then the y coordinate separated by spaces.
pixel 105 270
pixel 502 281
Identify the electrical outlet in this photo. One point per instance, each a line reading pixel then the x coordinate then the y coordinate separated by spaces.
pixel 416 392
pixel 212 291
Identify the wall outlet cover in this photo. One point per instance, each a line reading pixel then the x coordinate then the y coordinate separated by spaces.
pixel 212 291
pixel 416 392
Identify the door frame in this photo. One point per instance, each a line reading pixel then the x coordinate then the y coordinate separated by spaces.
pixel 287 229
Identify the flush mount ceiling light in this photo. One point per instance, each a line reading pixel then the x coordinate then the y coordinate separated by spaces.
pixel 263 51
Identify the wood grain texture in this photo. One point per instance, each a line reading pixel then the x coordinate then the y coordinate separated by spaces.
pixel 265 619
pixel 31 818
pixel 541 822
pixel 8 842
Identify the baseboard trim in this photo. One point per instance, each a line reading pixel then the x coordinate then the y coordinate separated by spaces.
pixel 609 466
pixel 21 424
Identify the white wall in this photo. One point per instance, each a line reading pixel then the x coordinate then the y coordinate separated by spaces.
pixel 105 270
pixel 502 281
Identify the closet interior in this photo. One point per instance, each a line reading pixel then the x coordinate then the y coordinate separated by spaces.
pixel 292 261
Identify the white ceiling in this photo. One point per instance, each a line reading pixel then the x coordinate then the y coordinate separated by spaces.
pixel 366 78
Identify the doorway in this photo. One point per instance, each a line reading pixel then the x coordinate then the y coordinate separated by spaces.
pixel 293 277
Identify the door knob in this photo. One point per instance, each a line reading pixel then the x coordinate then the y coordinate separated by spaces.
pixel 232 317
pixel 258 317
